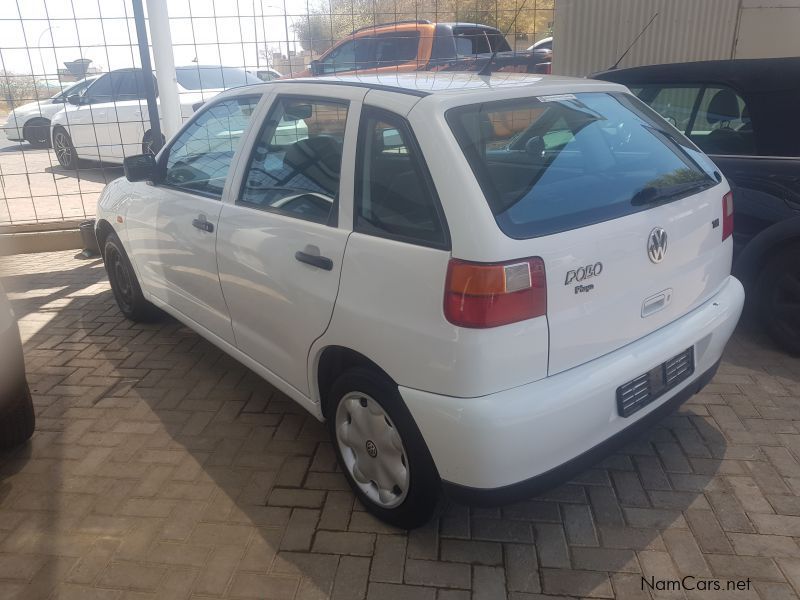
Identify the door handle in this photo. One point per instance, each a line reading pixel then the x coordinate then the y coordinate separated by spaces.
pixel 321 262
pixel 202 224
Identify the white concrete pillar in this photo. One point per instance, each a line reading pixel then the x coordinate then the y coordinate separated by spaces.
pixel 169 103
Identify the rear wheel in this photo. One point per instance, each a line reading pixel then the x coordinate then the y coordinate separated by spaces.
pixel 64 149
pixel 778 294
pixel 37 133
pixel 124 284
pixel 381 450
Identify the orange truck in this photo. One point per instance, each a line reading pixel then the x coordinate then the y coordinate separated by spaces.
pixel 421 45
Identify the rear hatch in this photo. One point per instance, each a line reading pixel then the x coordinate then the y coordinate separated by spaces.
pixel 625 212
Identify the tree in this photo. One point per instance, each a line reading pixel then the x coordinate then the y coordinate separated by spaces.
pixel 315 32
pixel 17 89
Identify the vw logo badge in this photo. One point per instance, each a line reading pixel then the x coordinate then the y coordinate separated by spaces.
pixel 372 449
pixel 657 245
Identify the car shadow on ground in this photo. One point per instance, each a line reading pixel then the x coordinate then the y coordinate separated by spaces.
pixel 96 172
pixel 177 445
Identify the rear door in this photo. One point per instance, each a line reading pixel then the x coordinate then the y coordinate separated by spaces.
pixel 625 212
pixel 280 247
pixel 127 115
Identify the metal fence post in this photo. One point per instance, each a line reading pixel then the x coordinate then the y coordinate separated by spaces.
pixel 149 88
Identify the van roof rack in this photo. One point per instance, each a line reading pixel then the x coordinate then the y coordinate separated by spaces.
pixel 376 25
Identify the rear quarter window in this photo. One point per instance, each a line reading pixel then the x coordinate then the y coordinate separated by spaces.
pixel 560 163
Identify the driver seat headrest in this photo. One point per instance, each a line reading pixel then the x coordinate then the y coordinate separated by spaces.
pixel 724 106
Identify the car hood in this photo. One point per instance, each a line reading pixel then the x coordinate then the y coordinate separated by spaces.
pixel 40 106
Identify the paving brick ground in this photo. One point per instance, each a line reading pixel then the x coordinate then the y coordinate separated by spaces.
pixel 163 469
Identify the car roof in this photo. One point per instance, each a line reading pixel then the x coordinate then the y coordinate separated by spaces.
pixel 752 74
pixel 451 83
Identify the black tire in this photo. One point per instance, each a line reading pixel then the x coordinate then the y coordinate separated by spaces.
pixel 147 143
pixel 778 297
pixel 64 148
pixel 124 285
pixel 17 422
pixel 37 133
pixel 424 487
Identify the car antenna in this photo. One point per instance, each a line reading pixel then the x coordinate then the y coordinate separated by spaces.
pixel 633 43
pixel 486 70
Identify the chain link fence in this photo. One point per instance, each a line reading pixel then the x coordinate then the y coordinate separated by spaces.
pixel 72 101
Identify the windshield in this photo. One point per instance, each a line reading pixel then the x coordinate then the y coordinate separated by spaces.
pixel 211 78
pixel 74 89
pixel 561 162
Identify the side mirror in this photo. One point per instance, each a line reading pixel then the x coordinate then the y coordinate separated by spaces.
pixel 141 167
pixel 313 66
pixel 75 99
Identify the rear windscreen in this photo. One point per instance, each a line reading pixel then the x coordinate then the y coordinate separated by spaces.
pixel 556 163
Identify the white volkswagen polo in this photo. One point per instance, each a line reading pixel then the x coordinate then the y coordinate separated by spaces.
pixel 480 283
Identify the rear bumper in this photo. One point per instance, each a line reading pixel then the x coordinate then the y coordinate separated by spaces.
pixel 510 444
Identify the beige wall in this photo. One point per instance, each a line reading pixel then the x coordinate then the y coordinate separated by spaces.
pixel 768 29
pixel 590 35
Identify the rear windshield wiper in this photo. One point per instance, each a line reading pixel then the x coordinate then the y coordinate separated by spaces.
pixel 650 193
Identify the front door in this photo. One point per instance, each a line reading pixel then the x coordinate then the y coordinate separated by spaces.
pixel 88 122
pixel 173 232
pixel 280 248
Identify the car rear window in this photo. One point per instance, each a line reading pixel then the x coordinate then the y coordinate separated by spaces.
pixel 556 163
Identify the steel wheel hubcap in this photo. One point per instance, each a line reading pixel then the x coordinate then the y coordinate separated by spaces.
pixel 372 449
pixel 123 280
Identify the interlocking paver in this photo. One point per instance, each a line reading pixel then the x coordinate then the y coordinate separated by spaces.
pixel 163 469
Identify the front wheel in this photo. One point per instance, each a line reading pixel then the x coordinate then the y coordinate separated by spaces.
pixel 124 284
pixel 381 450
pixel 778 294
pixel 64 149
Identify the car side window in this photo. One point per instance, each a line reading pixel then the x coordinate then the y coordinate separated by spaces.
pixel 722 125
pixel 296 162
pixel 130 86
pixel 471 41
pixel 395 197
pixel 101 90
pixel 396 48
pixel 350 55
pixel 676 104
pixel 200 157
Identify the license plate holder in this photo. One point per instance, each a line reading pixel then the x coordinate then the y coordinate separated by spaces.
pixel 648 387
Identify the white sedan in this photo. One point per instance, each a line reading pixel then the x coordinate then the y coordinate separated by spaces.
pixel 480 283
pixel 31 122
pixel 109 121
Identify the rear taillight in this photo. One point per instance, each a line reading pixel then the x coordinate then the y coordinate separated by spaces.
pixel 727 215
pixel 481 295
